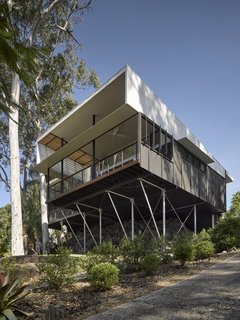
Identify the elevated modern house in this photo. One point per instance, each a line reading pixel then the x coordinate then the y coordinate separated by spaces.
pixel 122 155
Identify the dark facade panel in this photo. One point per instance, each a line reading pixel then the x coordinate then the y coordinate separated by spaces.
pixel 211 187
pixel 187 172
pixel 186 175
pixel 155 163
pixel 177 162
pixel 167 170
pixel 202 180
pixel 195 180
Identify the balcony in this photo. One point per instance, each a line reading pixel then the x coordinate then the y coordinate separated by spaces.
pixel 94 171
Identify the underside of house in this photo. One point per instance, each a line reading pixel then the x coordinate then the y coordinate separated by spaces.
pixel 122 156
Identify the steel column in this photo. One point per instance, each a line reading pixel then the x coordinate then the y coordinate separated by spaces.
pixel 139 128
pixel 195 218
pixel 149 207
pixel 213 220
pixel 132 215
pixel 84 233
pixel 72 230
pixel 164 212
pixel 100 226
pixel 115 209
pixel 85 224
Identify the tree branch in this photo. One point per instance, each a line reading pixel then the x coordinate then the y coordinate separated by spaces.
pixel 4 177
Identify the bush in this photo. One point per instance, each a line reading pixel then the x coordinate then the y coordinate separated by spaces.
pixel 108 250
pixel 151 264
pixel 103 276
pixel 183 249
pixel 58 269
pixel 203 246
pixel 162 249
pixel 132 253
pixel 8 266
pixel 226 234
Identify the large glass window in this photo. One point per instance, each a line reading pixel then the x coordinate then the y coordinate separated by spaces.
pixel 156 138
pixel 193 159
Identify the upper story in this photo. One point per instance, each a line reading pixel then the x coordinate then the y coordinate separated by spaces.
pixel 124 123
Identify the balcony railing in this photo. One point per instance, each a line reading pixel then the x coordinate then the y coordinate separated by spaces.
pixel 100 168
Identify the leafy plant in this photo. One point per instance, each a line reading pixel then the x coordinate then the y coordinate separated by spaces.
pixel 151 264
pixel 10 292
pixel 103 276
pixel 225 234
pixel 183 249
pixel 58 269
pixel 90 260
pixel 162 248
pixel 132 253
pixel 106 249
pixel 8 266
pixel 203 246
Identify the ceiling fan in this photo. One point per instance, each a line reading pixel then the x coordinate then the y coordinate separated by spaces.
pixel 115 133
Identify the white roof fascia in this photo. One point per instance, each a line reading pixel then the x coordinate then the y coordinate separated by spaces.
pixel 70 113
pixel 101 127
pixel 144 100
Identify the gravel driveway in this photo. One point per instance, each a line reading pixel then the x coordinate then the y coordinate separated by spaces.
pixel 212 294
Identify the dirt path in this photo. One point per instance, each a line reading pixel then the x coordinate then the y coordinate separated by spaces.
pixel 212 294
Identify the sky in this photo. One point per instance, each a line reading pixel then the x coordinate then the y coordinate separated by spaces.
pixel 187 51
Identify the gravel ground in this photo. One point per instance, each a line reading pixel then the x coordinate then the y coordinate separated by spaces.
pixel 213 294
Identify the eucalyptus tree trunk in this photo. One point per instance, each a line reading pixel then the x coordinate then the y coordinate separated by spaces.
pixel 16 207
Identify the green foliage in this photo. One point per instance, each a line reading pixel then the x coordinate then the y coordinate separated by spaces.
pixel 103 276
pixel 162 248
pixel 150 264
pixel 15 56
pixel 5 232
pixel 235 206
pixel 58 268
pixel 8 266
pixel 226 234
pixel 203 246
pixel 106 249
pixel 54 74
pixel 10 292
pixel 31 210
pixel 183 249
pixel 132 253
pixel 105 252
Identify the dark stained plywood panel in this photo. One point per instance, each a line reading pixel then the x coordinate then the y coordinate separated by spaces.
pixel 167 170
pixel 194 181
pixel 177 163
pixel 202 185
pixel 186 175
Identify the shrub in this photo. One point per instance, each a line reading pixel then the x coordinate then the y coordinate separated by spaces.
pixel 132 253
pixel 183 249
pixel 161 247
pixel 105 252
pixel 10 292
pixel 90 260
pixel 203 246
pixel 151 264
pixel 8 266
pixel 58 269
pixel 226 234
pixel 106 249
pixel 103 276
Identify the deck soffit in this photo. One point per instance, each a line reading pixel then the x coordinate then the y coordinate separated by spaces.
pixel 113 119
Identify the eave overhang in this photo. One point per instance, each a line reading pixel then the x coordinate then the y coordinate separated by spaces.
pixel 200 154
pixel 101 127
